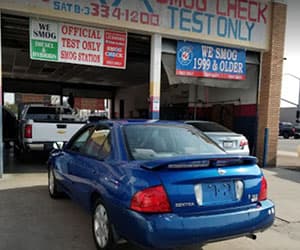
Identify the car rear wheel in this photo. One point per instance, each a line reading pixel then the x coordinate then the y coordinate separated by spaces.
pixel 286 135
pixel 52 185
pixel 102 230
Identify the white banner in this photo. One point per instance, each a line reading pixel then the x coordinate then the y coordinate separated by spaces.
pixel 234 23
pixel 77 44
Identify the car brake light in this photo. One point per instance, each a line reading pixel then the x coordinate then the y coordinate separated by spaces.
pixel 263 189
pixel 151 200
pixel 243 143
pixel 28 131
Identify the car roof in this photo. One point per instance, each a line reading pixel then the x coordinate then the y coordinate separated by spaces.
pixel 286 123
pixel 198 121
pixel 138 121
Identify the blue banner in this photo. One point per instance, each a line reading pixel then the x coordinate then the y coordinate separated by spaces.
pixel 203 60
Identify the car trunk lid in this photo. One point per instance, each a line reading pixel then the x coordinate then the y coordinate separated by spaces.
pixel 228 141
pixel 206 184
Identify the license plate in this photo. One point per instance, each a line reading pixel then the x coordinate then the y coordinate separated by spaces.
pixel 219 192
pixel 228 144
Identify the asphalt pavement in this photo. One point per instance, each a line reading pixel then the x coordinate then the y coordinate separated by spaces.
pixel 288 153
pixel 30 220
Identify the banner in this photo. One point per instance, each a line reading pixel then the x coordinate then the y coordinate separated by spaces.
pixel 70 43
pixel 229 22
pixel 202 60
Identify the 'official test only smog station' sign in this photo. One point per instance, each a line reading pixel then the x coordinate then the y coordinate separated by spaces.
pixel 63 42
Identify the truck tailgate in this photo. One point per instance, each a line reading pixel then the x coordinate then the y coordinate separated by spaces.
pixel 51 132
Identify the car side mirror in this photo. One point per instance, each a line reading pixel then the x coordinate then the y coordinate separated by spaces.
pixel 58 145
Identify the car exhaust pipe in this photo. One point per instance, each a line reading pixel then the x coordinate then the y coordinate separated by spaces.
pixel 252 236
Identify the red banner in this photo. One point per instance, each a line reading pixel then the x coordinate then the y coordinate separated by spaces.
pixel 115 44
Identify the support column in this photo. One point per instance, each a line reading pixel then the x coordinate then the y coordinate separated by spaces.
pixel 155 76
pixel 270 86
pixel 1 106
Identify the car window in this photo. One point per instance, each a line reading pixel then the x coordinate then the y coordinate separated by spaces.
pixel 66 111
pixel 77 145
pixel 209 127
pixel 42 113
pixel 47 113
pixel 286 124
pixel 147 142
pixel 98 145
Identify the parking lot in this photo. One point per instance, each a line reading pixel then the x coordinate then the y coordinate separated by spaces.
pixel 30 220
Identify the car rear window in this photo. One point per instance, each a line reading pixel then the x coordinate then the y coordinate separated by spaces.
pixel 286 124
pixel 46 113
pixel 209 127
pixel 148 142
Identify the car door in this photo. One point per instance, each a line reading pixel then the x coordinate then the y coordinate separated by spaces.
pixel 70 155
pixel 89 167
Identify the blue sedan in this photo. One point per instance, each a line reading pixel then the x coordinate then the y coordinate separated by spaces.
pixel 159 185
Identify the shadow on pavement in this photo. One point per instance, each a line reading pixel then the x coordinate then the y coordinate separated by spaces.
pixel 36 162
pixel 31 220
pixel 286 174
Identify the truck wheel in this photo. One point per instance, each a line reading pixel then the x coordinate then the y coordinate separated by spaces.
pixel 286 135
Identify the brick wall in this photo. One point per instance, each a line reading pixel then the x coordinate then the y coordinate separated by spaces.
pixel 270 86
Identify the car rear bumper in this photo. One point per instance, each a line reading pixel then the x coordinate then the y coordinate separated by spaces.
pixel 172 230
pixel 39 146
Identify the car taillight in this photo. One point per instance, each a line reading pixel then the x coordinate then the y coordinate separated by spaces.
pixel 151 200
pixel 263 189
pixel 28 131
pixel 243 143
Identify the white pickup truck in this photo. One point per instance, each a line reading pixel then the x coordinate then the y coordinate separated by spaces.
pixel 40 126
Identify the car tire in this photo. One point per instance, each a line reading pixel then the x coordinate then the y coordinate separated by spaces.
pixel 52 185
pixel 102 228
pixel 286 135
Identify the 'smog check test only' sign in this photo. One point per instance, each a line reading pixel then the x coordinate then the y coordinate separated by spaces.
pixel 77 44
pixel 202 60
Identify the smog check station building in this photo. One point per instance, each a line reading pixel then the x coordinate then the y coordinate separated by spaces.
pixel 218 60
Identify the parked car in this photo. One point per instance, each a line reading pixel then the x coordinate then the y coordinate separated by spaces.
pixel 159 185
pixel 41 125
pixel 297 131
pixel 286 129
pixel 230 141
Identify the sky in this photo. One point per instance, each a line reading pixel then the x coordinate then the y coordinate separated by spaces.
pixel 290 84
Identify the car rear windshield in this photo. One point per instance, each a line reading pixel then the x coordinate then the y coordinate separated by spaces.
pixel 149 142
pixel 286 124
pixel 209 127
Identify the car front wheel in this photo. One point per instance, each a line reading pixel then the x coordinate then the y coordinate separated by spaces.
pixel 102 228
pixel 52 185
